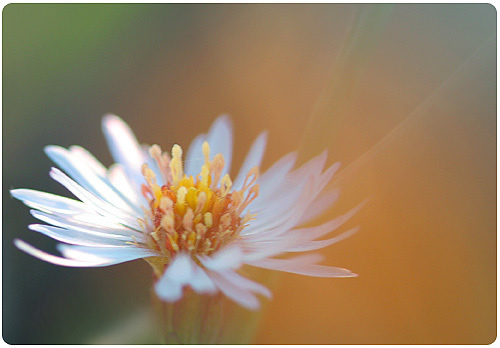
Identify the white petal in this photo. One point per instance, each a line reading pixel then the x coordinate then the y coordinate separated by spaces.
pixel 112 255
pixel 246 283
pixel 282 216
pixel 314 166
pixel 273 184
pixel 89 159
pixel 267 243
pixel 220 139
pixel 324 179
pixel 274 176
pixel 77 237
pixel 96 203
pixel 181 269
pixel 123 146
pixel 253 158
pixel 289 199
pixel 178 273
pixel 56 260
pixel 302 265
pixel 318 244
pixel 307 258
pixel 194 158
pixel 100 223
pixel 311 171
pixel 90 179
pixel 201 282
pixel 311 233
pixel 226 258
pixel 168 290
pixel 91 224
pixel 240 295
pixel 319 205
pixel 49 202
pixel 117 177
pixel 263 248
pixel 153 165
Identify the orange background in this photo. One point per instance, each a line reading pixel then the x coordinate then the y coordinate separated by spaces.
pixel 403 95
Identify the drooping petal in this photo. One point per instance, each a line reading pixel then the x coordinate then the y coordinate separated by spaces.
pixel 181 268
pixel 201 282
pixel 227 258
pixel 237 293
pixel 245 283
pixel 168 289
pixel 179 272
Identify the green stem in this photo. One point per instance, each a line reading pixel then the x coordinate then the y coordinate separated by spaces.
pixel 204 319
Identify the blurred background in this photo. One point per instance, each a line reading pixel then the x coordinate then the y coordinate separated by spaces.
pixel 403 95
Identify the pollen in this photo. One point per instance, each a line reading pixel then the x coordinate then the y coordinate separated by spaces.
pixel 197 215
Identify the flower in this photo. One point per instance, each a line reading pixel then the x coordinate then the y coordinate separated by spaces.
pixel 188 219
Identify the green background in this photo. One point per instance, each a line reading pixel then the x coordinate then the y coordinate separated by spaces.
pixel 331 76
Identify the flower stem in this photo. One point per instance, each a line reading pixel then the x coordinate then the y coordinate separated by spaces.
pixel 204 319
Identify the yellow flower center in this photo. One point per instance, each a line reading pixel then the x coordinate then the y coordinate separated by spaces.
pixel 194 215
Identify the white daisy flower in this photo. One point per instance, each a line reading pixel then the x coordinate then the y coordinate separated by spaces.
pixel 188 219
